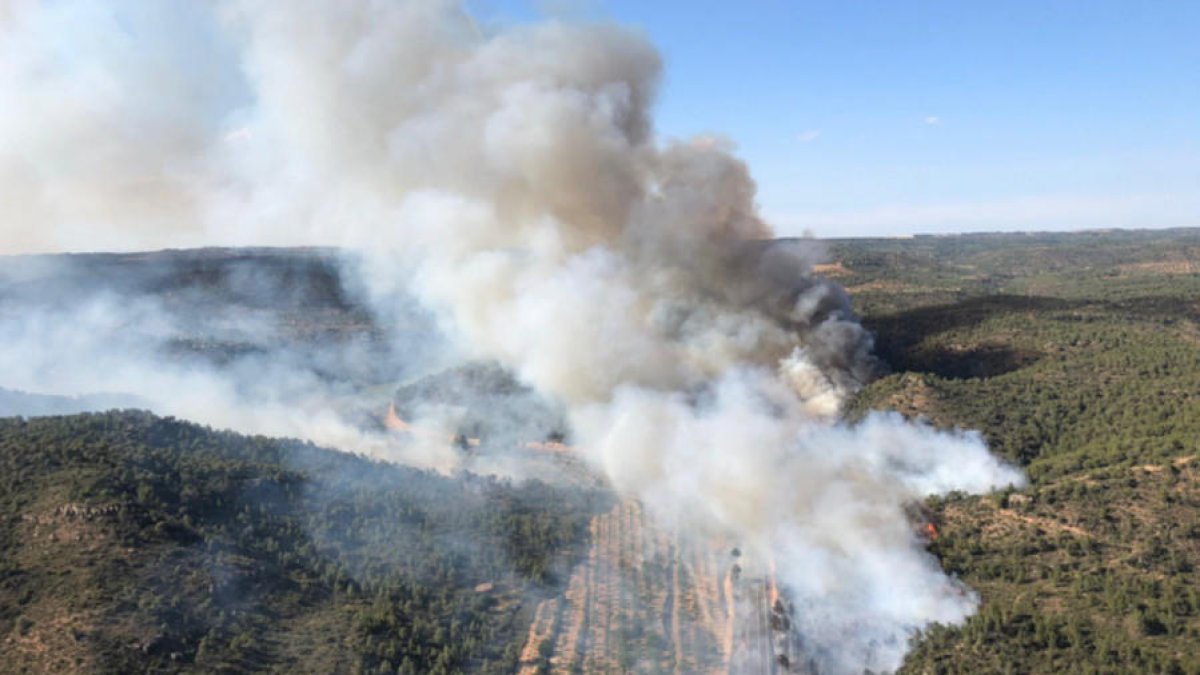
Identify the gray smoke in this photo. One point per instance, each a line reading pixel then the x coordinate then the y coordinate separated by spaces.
pixel 259 341
pixel 512 180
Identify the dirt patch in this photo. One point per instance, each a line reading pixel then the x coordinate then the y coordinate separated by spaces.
pixel 832 270
pixel 46 641
pixel 1189 331
pixel 72 522
pixel 999 522
pixel 884 285
pixel 1164 267
pixel 1044 523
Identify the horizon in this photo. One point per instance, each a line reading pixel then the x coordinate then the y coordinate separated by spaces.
pixel 778 237
pixel 855 121
pixel 894 120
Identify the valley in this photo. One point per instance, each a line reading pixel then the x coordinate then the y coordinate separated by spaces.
pixel 133 541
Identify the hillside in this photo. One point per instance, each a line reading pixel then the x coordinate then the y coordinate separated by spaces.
pixel 1078 356
pixel 132 543
pixel 212 308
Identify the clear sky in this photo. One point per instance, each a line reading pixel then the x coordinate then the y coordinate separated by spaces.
pixel 890 117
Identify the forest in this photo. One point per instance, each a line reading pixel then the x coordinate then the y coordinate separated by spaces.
pixel 1078 357
pixel 131 542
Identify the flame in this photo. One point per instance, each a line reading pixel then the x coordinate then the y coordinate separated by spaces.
pixel 931 531
pixel 731 622
pixel 549 446
pixel 394 422
pixel 772 587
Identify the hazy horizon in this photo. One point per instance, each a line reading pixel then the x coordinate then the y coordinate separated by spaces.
pixel 878 119
pixel 780 235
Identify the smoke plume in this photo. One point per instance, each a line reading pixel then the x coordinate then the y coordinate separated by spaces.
pixel 511 179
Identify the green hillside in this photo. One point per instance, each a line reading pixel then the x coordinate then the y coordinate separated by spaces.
pixel 1078 356
pixel 131 543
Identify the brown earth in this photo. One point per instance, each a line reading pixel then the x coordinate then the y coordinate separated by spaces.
pixel 648 600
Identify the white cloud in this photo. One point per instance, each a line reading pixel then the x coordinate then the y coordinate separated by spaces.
pixel 932 120
pixel 808 136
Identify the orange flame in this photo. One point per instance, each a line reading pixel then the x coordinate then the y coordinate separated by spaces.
pixel 931 531
pixel 772 587
pixel 548 446
pixel 394 422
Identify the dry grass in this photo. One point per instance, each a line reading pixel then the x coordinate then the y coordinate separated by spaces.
pixel 1165 267
pixel 643 599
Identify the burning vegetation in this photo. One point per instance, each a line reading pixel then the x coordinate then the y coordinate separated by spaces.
pixel 624 293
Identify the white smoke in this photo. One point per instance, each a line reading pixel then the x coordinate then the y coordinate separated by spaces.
pixel 512 179
pixel 112 344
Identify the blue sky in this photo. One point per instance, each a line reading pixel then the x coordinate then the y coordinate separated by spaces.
pixel 885 118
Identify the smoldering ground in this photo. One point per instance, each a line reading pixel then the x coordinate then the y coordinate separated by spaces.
pixel 510 178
